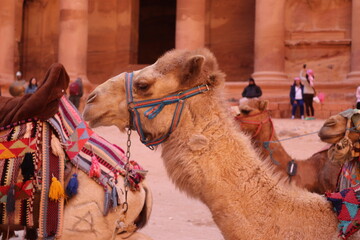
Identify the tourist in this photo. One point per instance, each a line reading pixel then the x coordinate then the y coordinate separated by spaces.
pixel 358 97
pixel 76 92
pixel 309 91
pixel 296 97
pixel 32 87
pixel 251 91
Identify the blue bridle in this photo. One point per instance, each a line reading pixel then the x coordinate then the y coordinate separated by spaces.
pixel 155 107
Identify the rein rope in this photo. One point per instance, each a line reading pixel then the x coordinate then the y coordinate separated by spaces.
pixel 155 107
pixel 260 123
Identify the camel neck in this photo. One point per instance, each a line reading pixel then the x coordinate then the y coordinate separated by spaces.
pixel 210 160
pixel 273 149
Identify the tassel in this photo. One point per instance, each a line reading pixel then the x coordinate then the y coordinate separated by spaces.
pixel 114 197
pixel 10 201
pixel 27 167
pixel 31 234
pixel 56 189
pixel 107 202
pixel 95 167
pixel 72 187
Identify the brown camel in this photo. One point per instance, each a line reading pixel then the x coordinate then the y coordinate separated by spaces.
pixel 205 156
pixel 335 127
pixel 316 173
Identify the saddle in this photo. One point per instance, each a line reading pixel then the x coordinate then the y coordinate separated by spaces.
pixel 42 104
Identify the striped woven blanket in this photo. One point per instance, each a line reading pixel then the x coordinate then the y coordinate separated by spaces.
pixel 82 145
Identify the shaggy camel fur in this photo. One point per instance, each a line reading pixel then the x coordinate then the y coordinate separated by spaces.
pixel 316 174
pixel 208 158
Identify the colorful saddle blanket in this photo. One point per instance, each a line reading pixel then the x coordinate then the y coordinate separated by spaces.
pixel 82 144
pixel 346 205
pixel 27 165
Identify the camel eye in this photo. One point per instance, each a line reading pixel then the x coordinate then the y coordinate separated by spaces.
pixel 142 86
pixel 245 111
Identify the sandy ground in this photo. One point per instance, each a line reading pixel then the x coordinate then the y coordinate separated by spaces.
pixel 177 217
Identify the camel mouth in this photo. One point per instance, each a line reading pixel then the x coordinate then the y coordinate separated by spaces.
pixel 332 137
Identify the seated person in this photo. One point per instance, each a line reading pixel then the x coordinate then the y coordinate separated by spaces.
pixel 251 91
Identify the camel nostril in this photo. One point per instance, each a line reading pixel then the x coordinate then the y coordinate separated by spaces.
pixel 91 98
pixel 330 123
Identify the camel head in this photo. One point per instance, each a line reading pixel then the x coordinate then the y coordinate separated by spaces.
pixel 335 127
pixel 252 113
pixel 174 73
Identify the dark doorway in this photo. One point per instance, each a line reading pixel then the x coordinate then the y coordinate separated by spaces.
pixel 157 20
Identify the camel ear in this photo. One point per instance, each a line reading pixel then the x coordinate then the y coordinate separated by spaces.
pixel 192 68
pixel 263 104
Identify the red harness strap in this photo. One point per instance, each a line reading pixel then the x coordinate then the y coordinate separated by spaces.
pixel 244 120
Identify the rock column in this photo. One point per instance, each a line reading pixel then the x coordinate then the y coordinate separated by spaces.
pixel 73 39
pixel 190 24
pixel 354 75
pixel 7 42
pixel 269 40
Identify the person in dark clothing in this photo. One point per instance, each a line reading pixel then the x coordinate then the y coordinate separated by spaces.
pixel 32 87
pixel 76 92
pixel 296 97
pixel 252 90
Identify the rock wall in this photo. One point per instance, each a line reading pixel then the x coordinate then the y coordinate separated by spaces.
pixel 318 32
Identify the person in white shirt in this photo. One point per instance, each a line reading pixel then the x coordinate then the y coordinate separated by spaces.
pixel 309 92
pixel 296 97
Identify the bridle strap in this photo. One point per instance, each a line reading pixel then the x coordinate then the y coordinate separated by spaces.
pixel 155 107
pixel 260 124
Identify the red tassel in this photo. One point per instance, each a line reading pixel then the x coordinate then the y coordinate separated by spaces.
pixel 95 167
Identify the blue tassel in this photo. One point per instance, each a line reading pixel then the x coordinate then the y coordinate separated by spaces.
pixel 114 197
pixel 10 201
pixel 72 187
pixel 107 202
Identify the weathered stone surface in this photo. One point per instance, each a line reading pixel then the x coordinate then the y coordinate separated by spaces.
pixel 320 33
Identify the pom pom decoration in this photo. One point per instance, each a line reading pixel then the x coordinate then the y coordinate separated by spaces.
pixel 56 189
pixel 72 187
pixel 95 167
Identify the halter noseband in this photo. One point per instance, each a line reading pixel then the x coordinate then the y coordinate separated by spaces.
pixel 244 119
pixel 156 105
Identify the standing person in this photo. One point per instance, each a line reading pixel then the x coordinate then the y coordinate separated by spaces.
pixel 309 91
pixel 76 92
pixel 296 97
pixel 358 97
pixel 251 91
pixel 17 88
pixel 32 87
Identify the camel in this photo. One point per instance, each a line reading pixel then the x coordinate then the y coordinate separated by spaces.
pixel 84 216
pixel 342 131
pixel 316 174
pixel 335 127
pixel 204 154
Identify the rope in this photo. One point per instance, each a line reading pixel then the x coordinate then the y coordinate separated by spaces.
pixel 352 129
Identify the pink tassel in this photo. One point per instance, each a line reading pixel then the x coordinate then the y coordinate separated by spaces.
pixel 95 168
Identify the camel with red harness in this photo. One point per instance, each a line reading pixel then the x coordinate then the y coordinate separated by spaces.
pixel 316 174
